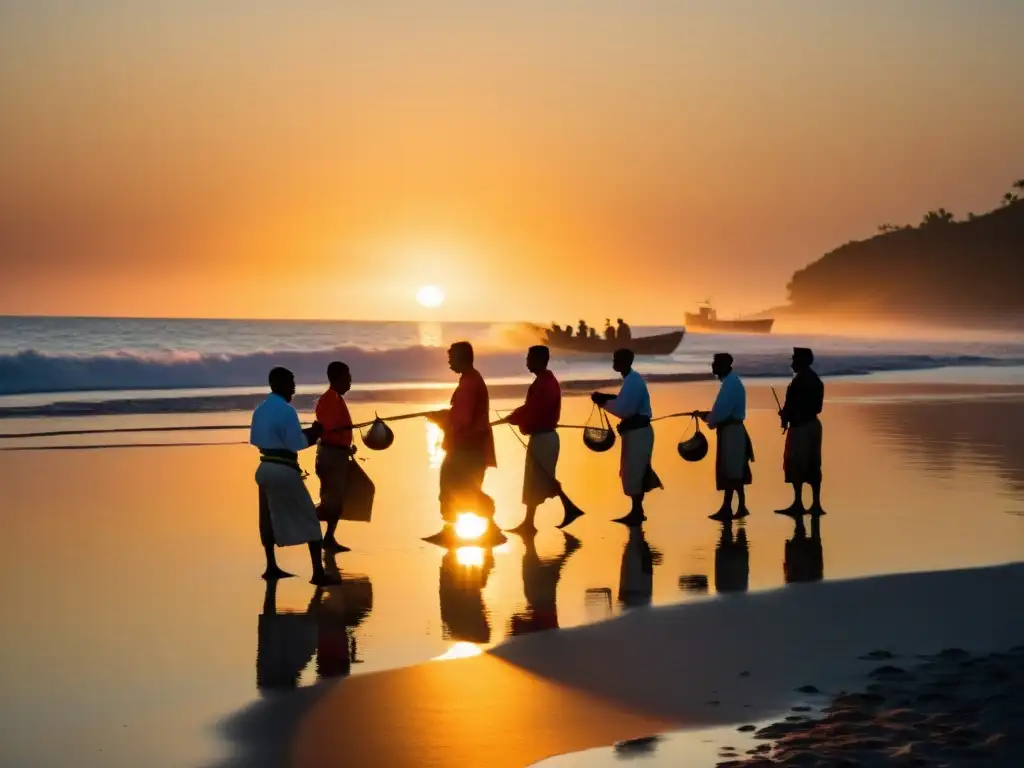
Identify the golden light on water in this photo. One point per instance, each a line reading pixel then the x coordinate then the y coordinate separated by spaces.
pixel 470 557
pixel 461 650
pixel 469 526
pixel 435 440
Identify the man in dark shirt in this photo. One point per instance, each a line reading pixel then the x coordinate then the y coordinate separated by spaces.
pixel 802 459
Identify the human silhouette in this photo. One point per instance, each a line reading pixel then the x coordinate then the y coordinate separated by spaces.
pixel 624 333
pixel 636 573
pixel 464 574
pixel 540 585
pixel 732 560
pixel 805 397
pixel 339 610
pixel 609 332
pixel 285 643
pixel 804 560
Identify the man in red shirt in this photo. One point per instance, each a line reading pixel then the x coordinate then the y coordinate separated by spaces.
pixel 537 418
pixel 468 440
pixel 334 453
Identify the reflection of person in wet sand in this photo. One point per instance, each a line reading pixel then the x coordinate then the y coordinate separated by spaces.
pixel 636 573
pixel 287 641
pixel 802 458
pixel 464 574
pixel 732 560
pixel 540 585
pixel 804 559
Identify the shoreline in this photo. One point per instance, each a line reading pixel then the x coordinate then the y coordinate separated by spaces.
pixel 434 392
pixel 725 661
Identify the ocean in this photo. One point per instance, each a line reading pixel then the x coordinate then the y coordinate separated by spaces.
pixel 89 366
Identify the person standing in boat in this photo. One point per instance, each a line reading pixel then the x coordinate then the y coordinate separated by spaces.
pixel 734 451
pixel 537 418
pixel 287 512
pixel 801 462
pixel 335 451
pixel 624 332
pixel 468 440
pixel 633 407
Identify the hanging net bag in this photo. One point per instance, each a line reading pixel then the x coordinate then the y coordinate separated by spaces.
pixel 379 436
pixel 598 434
pixel 695 447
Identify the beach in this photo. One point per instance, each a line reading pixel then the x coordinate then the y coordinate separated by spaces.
pixel 138 624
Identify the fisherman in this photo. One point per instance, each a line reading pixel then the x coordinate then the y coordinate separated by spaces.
pixel 609 332
pixel 633 406
pixel 537 418
pixel 624 333
pixel 287 512
pixel 582 333
pixel 335 451
pixel 802 457
pixel 734 451
pixel 468 440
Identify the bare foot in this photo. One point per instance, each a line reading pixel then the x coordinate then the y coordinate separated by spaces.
pixel 631 520
pixel 742 512
pixel 793 510
pixel 272 574
pixel 816 510
pixel 721 515
pixel 333 545
pixel 571 516
pixel 525 528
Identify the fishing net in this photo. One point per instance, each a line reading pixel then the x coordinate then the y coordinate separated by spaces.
pixel 598 435
pixel 695 447
pixel 379 436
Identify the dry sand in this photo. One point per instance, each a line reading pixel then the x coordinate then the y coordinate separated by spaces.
pixel 731 660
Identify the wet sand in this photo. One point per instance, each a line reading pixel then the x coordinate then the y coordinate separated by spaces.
pixel 133 603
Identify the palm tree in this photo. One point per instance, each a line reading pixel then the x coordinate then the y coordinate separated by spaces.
pixel 1009 198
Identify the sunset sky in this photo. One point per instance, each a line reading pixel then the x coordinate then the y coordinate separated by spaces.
pixel 537 160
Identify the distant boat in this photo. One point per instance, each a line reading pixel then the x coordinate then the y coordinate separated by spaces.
pixel 706 319
pixel 659 344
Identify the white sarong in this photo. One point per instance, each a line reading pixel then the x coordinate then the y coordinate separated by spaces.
pixel 292 511
pixel 539 475
pixel 635 462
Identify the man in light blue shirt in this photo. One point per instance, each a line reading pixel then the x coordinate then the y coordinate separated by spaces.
pixel 287 512
pixel 733 451
pixel 633 406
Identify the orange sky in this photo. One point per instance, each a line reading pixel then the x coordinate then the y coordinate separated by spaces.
pixel 535 159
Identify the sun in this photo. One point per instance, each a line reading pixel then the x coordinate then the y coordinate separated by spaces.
pixel 430 296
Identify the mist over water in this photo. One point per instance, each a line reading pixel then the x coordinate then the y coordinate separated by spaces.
pixel 41 357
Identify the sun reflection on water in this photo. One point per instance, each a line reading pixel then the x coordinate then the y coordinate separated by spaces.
pixel 435 439
pixel 469 526
pixel 461 650
pixel 470 557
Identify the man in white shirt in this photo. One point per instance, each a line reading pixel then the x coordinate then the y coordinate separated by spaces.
pixel 733 451
pixel 287 512
pixel 633 407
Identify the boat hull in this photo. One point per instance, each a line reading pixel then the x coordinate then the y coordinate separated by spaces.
pixel 696 322
pixel 661 344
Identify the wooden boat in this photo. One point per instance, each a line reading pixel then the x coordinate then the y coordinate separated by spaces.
pixel 659 344
pixel 706 319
